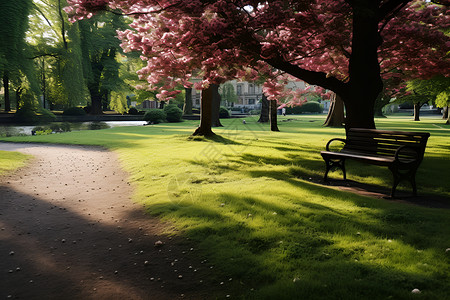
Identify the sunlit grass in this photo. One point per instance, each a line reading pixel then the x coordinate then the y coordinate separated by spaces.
pixel 10 161
pixel 249 202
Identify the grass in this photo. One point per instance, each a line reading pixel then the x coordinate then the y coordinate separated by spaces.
pixel 249 202
pixel 10 161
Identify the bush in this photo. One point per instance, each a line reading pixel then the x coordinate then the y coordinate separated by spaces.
pixel 87 109
pixel 98 125
pixel 74 111
pixel 133 111
pixel 155 116
pixel 60 127
pixel 173 113
pixel 308 107
pixel 224 113
pixel 30 115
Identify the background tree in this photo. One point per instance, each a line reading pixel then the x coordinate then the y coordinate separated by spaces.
pixel 420 92
pixel 228 94
pixel 337 45
pixel 100 47
pixel 13 48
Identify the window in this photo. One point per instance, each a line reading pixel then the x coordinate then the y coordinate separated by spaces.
pixel 251 101
pixel 239 89
pixel 251 89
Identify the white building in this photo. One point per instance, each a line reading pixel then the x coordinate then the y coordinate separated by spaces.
pixel 249 94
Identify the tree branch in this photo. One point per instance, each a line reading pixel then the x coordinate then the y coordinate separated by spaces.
pixel 390 8
pixel 311 77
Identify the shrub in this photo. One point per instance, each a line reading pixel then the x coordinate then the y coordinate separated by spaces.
pixel 60 127
pixel 224 113
pixel 133 111
pixel 87 109
pixel 31 115
pixel 45 116
pixel 308 107
pixel 97 125
pixel 155 116
pixel 173 113
pixel 74 111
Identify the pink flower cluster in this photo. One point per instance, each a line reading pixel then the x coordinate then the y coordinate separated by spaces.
pixel 222 40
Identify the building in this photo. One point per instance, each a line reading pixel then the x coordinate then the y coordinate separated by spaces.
pixel 249 94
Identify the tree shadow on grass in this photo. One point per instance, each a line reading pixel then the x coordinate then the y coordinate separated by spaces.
pixel 265 245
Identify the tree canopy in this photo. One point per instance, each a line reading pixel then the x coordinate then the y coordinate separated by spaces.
pixel 343 46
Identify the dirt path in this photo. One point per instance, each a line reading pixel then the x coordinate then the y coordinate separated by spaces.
pixel 68 230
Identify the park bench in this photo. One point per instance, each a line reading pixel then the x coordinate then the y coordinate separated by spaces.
pixel 402 152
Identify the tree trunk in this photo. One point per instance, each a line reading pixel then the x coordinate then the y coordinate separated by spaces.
pixel 161 104
pixel 273 116
pixel 205 113
pixel 6 90
pixel 264 116
pixel 18 96
pixel 187 108
pixel 445 112
pixel 215 106
pixel 96 101
pixel 364 69
pixel 335 117
pixel 417 107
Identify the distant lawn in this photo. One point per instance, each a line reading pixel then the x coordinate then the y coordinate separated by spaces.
pixel 248 201
pixel 10 161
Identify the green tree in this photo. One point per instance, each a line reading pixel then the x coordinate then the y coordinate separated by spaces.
pixel 227 93
pixel 420 92
pixel 100 48
pixel 14 51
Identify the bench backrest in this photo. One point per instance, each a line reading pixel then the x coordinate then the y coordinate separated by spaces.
pixel 385 143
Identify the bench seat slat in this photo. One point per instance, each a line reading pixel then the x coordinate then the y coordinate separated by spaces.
pixel 376 160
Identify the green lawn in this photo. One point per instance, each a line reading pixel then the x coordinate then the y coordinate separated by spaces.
pixel 10 161
pixel 248 201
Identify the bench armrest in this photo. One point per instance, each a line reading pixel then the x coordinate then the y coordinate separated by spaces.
pixel 412 153
pixel 332 140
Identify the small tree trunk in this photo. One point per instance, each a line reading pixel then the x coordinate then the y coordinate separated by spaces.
pixel 161 104
pixel 417 111
pixel 205 113
pixel 445 112
pixel 273 115
pixel 6 89
pixel 264 116
pixel 335 117
pixel 96 103
pixel 215 106
pixel 18 96
pixel 187 108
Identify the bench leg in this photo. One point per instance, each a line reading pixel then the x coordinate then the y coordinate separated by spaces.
pixel 409 175
pixel 330 164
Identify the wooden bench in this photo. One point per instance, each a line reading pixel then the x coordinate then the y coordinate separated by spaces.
pixel 402 152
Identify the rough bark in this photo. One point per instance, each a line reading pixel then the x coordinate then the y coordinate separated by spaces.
pixel 187 108
pixel 215 106
pixel 364 69
pixel 273 116
pixel 417 107
pixel 335 117
pixel 6 91
pixel 205 113
pixel 445 112
pixel 96 101
pixel 18 97
pixel 264 116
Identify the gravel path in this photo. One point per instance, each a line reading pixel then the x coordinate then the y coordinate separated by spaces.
pixel 68 230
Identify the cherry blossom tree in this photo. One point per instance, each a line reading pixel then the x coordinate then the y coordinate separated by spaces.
pixel 342 45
